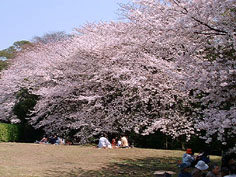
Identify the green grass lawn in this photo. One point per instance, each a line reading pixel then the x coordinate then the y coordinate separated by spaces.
pixel 28 160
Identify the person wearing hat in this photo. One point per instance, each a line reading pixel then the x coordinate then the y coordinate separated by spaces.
pixel 200 168
pixel 184 170
pixel 188 157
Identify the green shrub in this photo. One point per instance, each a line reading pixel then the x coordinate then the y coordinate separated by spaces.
pixel 9 132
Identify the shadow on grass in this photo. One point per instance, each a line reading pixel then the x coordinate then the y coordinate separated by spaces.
pixel 126 168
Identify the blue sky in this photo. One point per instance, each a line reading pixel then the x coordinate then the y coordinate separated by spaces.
pixel 25 19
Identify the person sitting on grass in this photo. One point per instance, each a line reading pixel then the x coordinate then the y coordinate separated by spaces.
pixel 53 139
pixel 215 171
pixel 113 142
pixel 232 170
pixel 61 141
pixel 124 142
pixel 104 142
pixel 226 161
pixel 119 143
pixel 204 156
pixel 44 140
pixel 200 169
pixel 188 157
pixel 224 171
pixel 184 170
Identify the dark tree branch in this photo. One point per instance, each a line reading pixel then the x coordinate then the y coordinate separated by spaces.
pixel 208 26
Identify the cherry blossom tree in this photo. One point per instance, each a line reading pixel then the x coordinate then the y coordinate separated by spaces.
pixel 200 36
pixel 171 67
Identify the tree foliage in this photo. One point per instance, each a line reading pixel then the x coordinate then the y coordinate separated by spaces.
pixel 11 52
pixel 51 37
pixel 171 67
pixel 25 103
pixel 3 64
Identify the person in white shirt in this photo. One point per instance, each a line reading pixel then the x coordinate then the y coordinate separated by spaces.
pixel 119 143
pixel 104 142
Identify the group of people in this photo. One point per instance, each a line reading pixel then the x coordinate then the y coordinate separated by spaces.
pixel 51 140
pixel 121 142
pixel 201 166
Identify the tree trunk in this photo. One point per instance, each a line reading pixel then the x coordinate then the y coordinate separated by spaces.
pixel 166 143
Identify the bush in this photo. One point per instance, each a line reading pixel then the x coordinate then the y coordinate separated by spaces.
pixel 9 132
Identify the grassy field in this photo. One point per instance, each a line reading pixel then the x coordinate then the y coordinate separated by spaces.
pixel 31 160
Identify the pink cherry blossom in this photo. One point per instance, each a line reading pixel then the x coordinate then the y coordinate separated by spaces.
pixel 170 67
